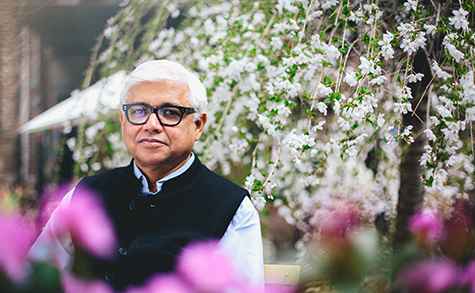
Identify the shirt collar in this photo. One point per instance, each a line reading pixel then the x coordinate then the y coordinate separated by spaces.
pixel 141 177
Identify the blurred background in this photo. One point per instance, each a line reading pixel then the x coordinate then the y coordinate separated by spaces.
pixel 45 46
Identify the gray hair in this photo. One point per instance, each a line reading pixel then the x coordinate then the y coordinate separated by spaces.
pixel 156 70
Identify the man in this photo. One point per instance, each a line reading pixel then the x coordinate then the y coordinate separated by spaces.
pixel 166 198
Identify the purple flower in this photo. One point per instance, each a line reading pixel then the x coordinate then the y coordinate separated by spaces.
pixel 206 267
pixel 429 276
pixel 427 226
pixel 88 224
pixel 468 276
pixel 74 285
pixel 16 237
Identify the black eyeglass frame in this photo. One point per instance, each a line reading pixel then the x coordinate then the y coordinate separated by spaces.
pixel 183 111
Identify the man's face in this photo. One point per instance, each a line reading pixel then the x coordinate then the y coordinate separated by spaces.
pixel 151 144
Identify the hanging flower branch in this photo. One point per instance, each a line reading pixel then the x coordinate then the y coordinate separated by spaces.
pixel 306 98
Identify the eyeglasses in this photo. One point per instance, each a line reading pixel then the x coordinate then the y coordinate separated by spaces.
pixel 168 115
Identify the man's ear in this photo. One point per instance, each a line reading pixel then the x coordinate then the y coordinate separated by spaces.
pixel 200 124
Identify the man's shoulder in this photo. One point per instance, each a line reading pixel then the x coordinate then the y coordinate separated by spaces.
pixel 106 177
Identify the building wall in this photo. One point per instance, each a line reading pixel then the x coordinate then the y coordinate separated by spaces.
pixel 44 51
pixel 9 63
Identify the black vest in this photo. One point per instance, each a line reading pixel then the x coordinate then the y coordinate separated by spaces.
pixel 151 231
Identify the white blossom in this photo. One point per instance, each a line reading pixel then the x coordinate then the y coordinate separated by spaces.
pixel 350 78
pixel 380 121
pixel 287 5
pixel 367 66
pixel 327 4
pixel 356 16
pixel 410 5
pixel 322 108
pixel 430 29
pixel 412 40
pixel 430 135
pixel 386 48
pixel 439 72
pixel 443 111
pixel 412 78
pixel 378 80
pixel 323 91
pixel 468 86
pixel 453 51
pixel 470 114
pixel 276 43
pixel 459 19
pixel 402 108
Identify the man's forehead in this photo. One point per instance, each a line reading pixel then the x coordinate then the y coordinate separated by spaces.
pixel 159 92
pixel 159 88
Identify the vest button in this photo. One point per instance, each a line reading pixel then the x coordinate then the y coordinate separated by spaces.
pixel 122 251
pixel 131 205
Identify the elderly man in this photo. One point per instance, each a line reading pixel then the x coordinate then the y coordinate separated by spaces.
pixel 166 198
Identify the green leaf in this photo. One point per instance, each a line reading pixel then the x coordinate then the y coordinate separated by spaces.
pixel 257 185
pixel 292 71
pixel 328 81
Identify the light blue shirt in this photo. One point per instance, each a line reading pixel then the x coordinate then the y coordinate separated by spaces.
pixel 146 190
pixel 242 241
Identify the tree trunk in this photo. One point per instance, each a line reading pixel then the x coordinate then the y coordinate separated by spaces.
pixel 411 191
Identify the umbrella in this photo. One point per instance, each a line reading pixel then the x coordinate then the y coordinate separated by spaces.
pixel 102 97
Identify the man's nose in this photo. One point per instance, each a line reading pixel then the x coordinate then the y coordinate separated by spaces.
pixel 153 123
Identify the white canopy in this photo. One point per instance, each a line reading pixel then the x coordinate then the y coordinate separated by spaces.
pixel 100 98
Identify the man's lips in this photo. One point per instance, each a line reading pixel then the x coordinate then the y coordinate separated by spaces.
pixel 150 141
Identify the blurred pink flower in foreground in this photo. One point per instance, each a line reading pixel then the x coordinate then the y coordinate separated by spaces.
pixel 86 221
pixel 74 285
pixel 429 276
pixel 337 221
pixel 163 283
pixel 427 226
pixel 50 200
pixel 16 237
pixel 468 277
pixel 205 266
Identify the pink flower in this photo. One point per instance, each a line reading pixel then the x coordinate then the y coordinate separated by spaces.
pixel 169 283
pixel 468 276
pixel 429 276
pixel 16 238
pixel 337 221
pixel 50 200
pixel 427 226
pixel 74 285
pixel 88 224
pixel 206 267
